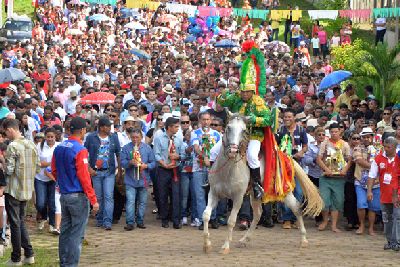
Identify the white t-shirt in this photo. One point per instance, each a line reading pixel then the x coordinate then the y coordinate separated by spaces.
pixel 380 21
pixel 315 42
pixel 335 41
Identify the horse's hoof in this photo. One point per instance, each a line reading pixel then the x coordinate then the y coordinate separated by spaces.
pixel 304 244
pixel 225 251
pixel 207 249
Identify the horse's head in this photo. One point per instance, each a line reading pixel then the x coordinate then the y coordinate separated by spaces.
pixel 235 133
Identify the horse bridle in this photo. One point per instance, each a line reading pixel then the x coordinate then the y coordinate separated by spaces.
pixel 241 148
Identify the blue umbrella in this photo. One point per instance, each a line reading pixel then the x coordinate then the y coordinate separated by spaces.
pixel 11 74
pixel 334 78
pixel 226 43
pixel 140 54
pixel 126 12
pixel 190 39
pixel 99 17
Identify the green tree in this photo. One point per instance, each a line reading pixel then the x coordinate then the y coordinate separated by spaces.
pixel 385 69
pixel 377 66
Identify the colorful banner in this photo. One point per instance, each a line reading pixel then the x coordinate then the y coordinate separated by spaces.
pixel 180 8
pixel 285 14
pixel 208 11
pixel 386 12
pixel 253 13
pixel 323 14
pixel 101 2
pixel 142 4
pixel 355 13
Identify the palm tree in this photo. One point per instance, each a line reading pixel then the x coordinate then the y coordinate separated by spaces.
pixel 386 65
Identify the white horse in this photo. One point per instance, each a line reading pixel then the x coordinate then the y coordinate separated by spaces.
pixel 229 178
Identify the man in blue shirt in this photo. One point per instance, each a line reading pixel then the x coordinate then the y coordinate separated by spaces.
pixel 201 162
pixel 168 150
pixel 104 148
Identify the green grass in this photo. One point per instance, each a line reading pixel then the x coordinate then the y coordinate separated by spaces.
pixel 21 7
pixel 46 257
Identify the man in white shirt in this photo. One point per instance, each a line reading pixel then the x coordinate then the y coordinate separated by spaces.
pixel 73 85
pixel 71 102
pixel 380 24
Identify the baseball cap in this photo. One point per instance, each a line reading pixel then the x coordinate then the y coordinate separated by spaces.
pixel 104 121
pixel 77 123
pixel 185 101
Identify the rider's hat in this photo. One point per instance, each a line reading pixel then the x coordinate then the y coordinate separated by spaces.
pixel 253 75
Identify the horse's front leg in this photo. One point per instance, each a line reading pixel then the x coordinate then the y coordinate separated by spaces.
pixel 237 203
pixel 256 206
pixel 212 202
pixel 294 205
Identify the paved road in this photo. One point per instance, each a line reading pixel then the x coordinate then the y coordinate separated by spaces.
pixel 156 246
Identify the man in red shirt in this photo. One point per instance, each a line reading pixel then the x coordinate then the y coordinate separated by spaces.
pixel 384 168
pixel 70 167
pixel 301 96
pixel 42 75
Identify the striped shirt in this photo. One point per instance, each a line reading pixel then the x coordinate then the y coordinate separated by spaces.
pixel 22 164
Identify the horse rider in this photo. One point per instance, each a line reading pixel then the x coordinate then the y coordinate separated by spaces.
pixel 246 102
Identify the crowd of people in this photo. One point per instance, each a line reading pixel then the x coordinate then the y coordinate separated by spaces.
pixel 166 112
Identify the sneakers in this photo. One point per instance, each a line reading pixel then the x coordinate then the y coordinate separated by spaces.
pixel 40 225
pixel 222 220
pixel 13 263
pixel 129 227
pixel 196 223
pixel 29 260
pixel 184 221
pixel 54 230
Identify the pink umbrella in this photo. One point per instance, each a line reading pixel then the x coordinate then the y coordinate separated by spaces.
pixel 98 98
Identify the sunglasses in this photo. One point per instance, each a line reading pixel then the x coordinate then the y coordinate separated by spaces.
pixel 386 113
pixel 133 110
pixel 215 125
pixel 159 119
pixel 321 135
pixel 113 116
pixel 109 109
pixel 185 122
pixel 354 106
pixel 355 138
pixel 118 102
pixel 341 126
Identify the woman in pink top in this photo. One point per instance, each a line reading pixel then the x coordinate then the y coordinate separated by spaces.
pixel 345 33
pixel 323 40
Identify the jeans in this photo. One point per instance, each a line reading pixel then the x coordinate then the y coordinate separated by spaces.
pixel 19 235
pixel 45 199
pixel 199 178
pixel 287 214
pixel 168 187
pixel 295 42
pixel 75 214
pixel 379 36
pixel 286 33
pixel 103 184
pixel 324 50
pixel 186 190
pixel 245 212
pixel 133 193
pixel 391 222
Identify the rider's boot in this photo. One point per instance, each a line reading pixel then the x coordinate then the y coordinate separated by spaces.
pixel 255 177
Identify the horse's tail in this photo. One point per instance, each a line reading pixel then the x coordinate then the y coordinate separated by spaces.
pixel 313 200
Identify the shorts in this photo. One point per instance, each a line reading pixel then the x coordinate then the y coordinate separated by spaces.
pixel 363 203
pixel 315 52
pixel 57 202
pixel 332 193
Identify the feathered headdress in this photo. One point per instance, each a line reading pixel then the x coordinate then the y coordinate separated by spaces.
pixel 253 75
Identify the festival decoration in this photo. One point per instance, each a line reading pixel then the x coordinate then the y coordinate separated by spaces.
pixel 172 150
pixel 206 144
pixel 138 159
